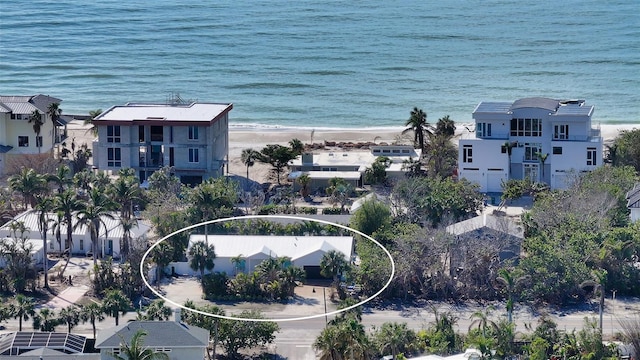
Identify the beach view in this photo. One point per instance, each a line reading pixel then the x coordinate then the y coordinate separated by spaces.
pixel 300 180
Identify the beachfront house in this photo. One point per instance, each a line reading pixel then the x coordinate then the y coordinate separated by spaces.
pixel 177 340
pixel 109 239
pixel 633 203
pixel 192 138
pixel 305 252
pixel 350 165
pixel 17 136
pixel 541 139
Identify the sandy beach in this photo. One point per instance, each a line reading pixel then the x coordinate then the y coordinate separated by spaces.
pixel 256 139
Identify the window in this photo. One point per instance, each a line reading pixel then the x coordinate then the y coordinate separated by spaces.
pixel 114 157
pixel 23 141
pixel 194 156
pixel 113 134
pixel 526 127
pixel 560 132
pixel 557 150
pixel 19 116
pixel 193 133
pixel 81 244
pixel 483 130
pixel 467 153
pixel 591 156
pixel 530 152
pixel 38 141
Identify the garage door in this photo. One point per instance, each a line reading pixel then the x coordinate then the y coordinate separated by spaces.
pixel 494 180
pixel 313 272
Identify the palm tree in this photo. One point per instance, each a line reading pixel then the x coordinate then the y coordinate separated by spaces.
pixel 98 207
pixel 296 146
pixel 68 204
pixel 62 177
pixel 395 337
pixel 249 158
pixel 125 191
pixel 543 158
pixel 509 283
pixel 290 277
pixel 22 309
pixel 329 343
pixel 445 127
pixel 89 121
pixel 202 257
pixel 45 320
pixel 29 183
pixel 45 206
pixel 135 349
pixel 598 285
pixel 508 147
pixel 238 263
pixel 333 264
pixel 161 255
pixel 115 303
pixel 482 321
pixel 418 124
pixel 157 310
pixel 70 316
pixel 54 112
pixel 36 119
pixel 304 180
pixel 92 312
pixel 127 225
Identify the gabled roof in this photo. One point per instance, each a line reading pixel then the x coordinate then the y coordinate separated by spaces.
pixel 167 334
pixel 228 246
pixel 633 197
pixel 5 149
pixel 26 104
pixel 497 223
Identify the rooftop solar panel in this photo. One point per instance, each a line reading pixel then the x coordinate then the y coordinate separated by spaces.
pixel 13 343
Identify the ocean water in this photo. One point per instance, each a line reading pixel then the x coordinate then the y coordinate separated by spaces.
pixel 325 63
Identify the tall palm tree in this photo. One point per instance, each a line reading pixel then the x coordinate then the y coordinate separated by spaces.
pixel 54 112
pixel 45 320
pixel 249 158
pixel 418 124
pixel 394 337
pixel 202 257
pixel 482 321
pixel 333 264
pixel 127 225
pixel 92 214
pixel 161 255
pixel 445 127
pixel 304 180
pixel 92 312
pixel 329 343
pixel 22 309
pixel 135 349
pixel 115 303
pixel 44 206
pixel 296 146
pixel 598 284
pixel 509 283
pixel 62 177
pixel 36 119
pixel 70 316
pixel 67 204
pixel 28 183
pixel 125 191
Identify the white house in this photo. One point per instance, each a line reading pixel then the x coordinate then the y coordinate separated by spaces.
pixel 192 138
pixel 304 251
pixel 350 165
pixel 633 202
pixel 178 340
pixel 35 246
pixel 17 137
pixel 511 140
pixel 109 240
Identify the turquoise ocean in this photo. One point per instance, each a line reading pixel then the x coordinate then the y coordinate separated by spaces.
pixel 331 64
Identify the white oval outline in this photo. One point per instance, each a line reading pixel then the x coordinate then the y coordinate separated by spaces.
pixel 146 283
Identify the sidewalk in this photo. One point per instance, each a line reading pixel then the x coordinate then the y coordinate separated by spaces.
pixel 67 297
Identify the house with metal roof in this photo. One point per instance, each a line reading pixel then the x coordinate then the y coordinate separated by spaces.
pixel 176 339
pixel 109 239
pixel 192 138
pixel 633 202
pixel 17 136
pixel 49 345
pixel 541 139
pixel 304 251
pixel 350 165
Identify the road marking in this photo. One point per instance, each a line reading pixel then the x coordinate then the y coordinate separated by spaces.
pixel 303 346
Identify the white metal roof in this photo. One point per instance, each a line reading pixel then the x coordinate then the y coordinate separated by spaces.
pixel 229 246
pixel 182 112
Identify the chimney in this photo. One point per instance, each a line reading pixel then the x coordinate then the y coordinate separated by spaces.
pixel 177 315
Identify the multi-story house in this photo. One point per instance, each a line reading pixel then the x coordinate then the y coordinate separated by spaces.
pixel 17 136
pixel 192 138
pixel 542 139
